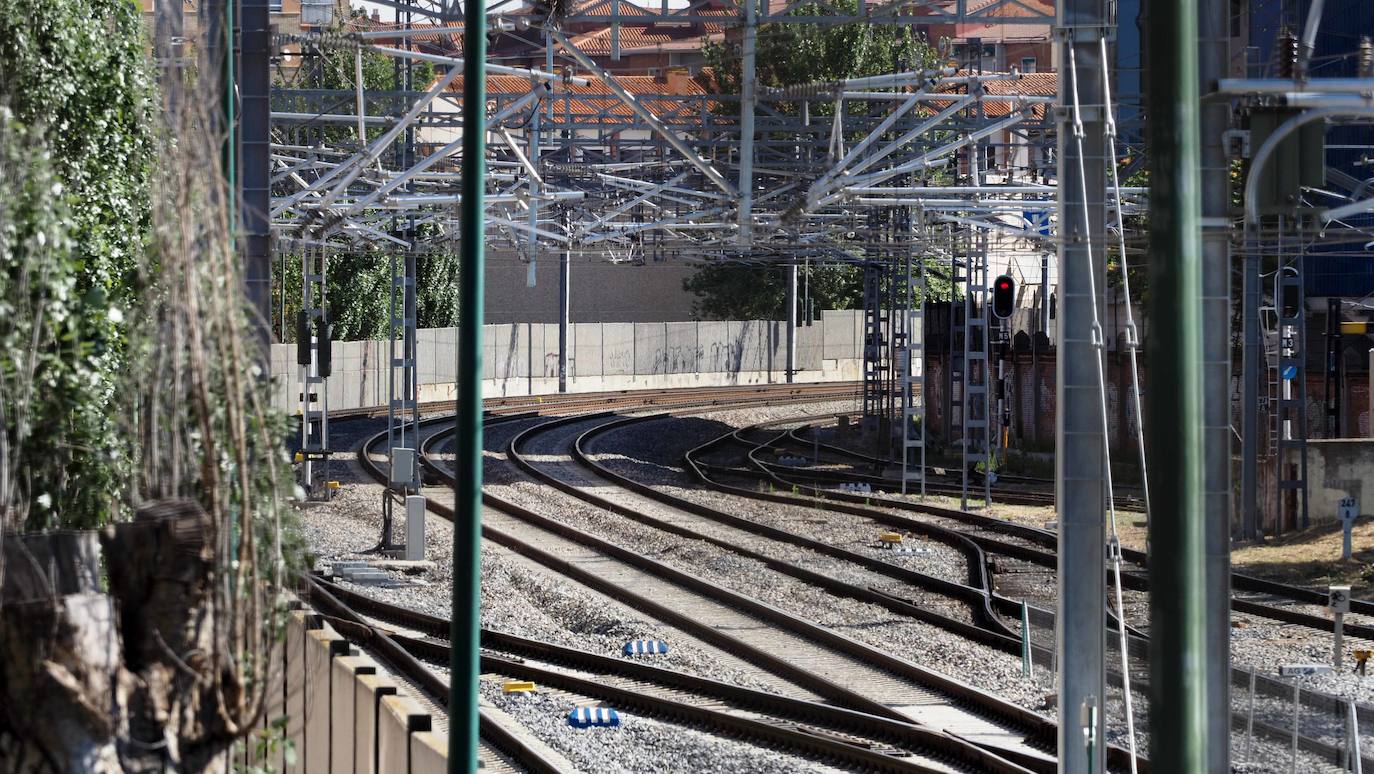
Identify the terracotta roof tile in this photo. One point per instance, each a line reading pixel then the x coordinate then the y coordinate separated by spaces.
pixel 663 97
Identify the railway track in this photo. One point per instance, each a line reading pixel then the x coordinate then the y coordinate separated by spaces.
pixel 1026 543
pixel 1273 689
pixel 623 399
pixel 1325 750
pixel 614 571
pixel 862 664
pixel 805 727
pixel 1008 489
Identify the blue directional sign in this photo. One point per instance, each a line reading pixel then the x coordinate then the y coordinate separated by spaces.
pixel 1037 221
pixel 1290 372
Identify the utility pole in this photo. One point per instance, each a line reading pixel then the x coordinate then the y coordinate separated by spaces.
pixel 791 322
pixel 1249 377
pixel 467 503
pixel 255 155
pixel 1178 692
pixel 564 309
pixel 747 97
pixel 1213 57
pixel 1081 464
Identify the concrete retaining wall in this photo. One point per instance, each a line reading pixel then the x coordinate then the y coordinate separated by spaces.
pixel 522 358
pixel 1337 468
pixel 342 711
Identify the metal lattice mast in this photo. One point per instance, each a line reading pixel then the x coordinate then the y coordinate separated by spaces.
pixel 1080 474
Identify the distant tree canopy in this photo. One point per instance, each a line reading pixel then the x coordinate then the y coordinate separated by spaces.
pixel 792 54
pixel 787 55
pixel 745 292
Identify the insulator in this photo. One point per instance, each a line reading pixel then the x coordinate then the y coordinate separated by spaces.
pixel 1366 57
pixel 1286 49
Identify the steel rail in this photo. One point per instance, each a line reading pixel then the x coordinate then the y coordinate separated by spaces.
pixel 401 659
pixel 987 628
pixel 805 711
pixel 1271 686
pixel 1132 580
pixel 771 662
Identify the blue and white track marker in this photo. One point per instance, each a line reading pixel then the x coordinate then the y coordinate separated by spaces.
pixel 642 647
pixel 586 717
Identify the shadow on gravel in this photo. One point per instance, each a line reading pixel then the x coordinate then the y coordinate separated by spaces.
pixel 651 451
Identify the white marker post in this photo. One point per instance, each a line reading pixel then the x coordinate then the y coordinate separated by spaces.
pixel 1338 599
pixel 1348 510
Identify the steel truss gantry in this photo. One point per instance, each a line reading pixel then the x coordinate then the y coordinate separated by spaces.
pixel 581 161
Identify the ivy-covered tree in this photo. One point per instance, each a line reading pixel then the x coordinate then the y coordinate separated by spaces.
pixel 787 55
pixel 75 105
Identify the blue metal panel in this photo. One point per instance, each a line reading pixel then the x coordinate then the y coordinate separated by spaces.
pixel 1338 275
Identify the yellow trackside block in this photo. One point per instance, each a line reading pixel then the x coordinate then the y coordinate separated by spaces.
pixel 890 537
pixel 1354 327
pixel 517 686
pixel 333 484
pixel 300 457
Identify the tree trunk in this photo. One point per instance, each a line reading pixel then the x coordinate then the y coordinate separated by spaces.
pixel 124 681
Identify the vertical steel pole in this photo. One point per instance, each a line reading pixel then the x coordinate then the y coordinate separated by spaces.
pixel 255 200
pixel 467 522
pixel 1178 733
pixel 1213 57
pixel 791 322
pixel 748 89
pixel 1249 411
pixel 170 47
pixel 1080 465
pixel 534 151
pixel 564 310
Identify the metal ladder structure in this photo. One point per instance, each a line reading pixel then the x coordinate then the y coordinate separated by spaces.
pixel 977 414
pixel 1290 420
pixel 911 362
pixel 313 454
pixel 1269 400
pixel 877 366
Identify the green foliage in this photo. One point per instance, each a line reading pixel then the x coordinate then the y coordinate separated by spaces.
pixel 360 292
pixel 75 147
pixel 731 291
pixel 791 54
pixel 77 67
pixel 360 280
pixel 738 292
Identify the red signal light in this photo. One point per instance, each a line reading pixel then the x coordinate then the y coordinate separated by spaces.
pixel 1003 297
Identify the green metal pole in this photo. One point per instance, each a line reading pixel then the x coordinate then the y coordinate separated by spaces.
pixel 230 84
pixel 467 525
pixel 1178 737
